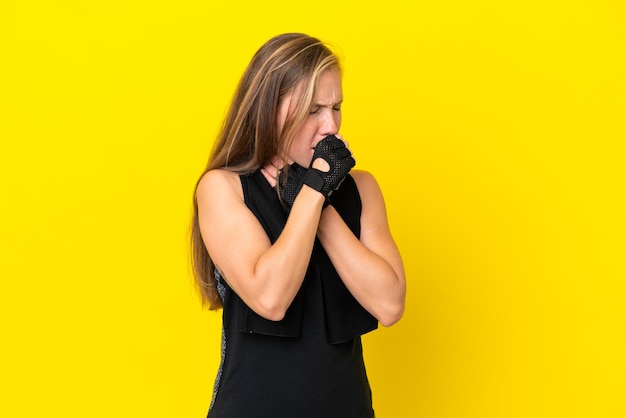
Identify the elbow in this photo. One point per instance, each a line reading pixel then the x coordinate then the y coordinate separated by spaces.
pixel 392 314
pixel 274 315
pixel 270 310
pixel 392 311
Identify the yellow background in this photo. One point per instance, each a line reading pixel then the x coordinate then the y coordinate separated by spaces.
pixel 495 129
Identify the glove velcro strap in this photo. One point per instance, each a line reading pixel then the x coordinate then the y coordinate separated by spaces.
pixel 314 180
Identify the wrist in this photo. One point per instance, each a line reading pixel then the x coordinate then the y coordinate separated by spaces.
pixel 314 197
pixel 314 180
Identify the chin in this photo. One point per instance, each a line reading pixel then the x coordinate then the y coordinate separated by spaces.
pixel 304 162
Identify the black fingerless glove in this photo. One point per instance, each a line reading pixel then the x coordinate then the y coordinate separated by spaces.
pixel 340 160
pixel 290 187
pixel 338 157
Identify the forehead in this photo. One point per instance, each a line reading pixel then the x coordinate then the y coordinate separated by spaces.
pixel 329 79
pixel 328 87
pixel 327 90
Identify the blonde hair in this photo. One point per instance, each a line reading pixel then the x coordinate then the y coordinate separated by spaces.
pixel 249 137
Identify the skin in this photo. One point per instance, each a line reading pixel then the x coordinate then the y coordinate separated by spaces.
pixel 267 277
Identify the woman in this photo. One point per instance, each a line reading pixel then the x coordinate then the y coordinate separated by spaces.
pixel 295 249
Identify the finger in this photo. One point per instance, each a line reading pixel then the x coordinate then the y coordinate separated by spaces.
pixel 321 165
pixel 270 179
pixel 343 152
pixel 345 143
pixel 340 141
pixel 269 170
pixel 340 137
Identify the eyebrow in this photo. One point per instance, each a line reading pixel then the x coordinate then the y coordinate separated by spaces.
pixel 320 104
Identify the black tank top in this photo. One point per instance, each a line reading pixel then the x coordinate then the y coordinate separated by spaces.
pixel 310 364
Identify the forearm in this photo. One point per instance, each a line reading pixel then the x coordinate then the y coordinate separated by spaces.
pixel 280 270
pixel 374 276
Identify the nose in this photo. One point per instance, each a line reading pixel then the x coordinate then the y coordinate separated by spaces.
pixel 329 125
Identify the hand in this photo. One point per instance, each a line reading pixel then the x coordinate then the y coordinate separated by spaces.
pixel 339 159
pixel 272 170
pixel 290 187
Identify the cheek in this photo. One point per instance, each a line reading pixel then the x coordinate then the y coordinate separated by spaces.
pixel 305 136
pixel 310 127
pixel 299 146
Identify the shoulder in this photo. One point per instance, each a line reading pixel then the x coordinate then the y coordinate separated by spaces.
pixel 370 193
pixel 363 177
pixel 218 183
pixel 366 183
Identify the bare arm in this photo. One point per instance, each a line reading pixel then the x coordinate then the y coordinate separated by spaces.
pixel 370 267
pixel 265 276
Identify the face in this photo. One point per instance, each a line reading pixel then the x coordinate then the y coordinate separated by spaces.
pixel 324 117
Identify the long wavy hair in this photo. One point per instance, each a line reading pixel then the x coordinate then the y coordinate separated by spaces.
pixel 250 137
